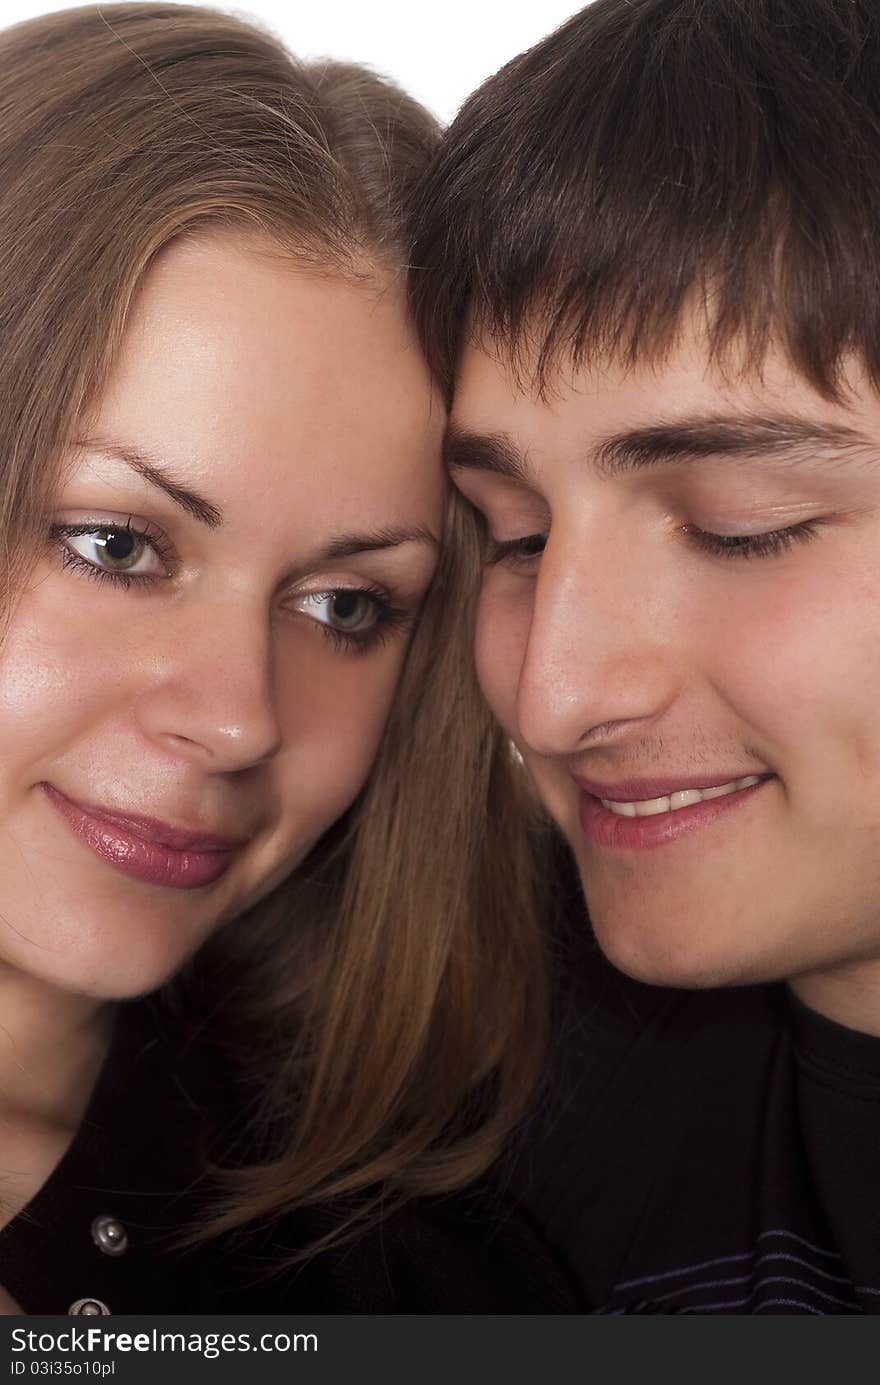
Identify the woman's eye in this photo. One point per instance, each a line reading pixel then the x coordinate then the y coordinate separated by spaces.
pixel 517 551
pixel 112 551
pixel 752 545
pixel 355 619
pixel 347 610
pixel 117 550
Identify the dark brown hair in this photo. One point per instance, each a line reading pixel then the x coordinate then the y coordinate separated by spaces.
pixel 656 154
pixel 386 1005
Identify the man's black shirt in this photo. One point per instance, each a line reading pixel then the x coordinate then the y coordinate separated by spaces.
pixel 692 1152
pixel 707 1152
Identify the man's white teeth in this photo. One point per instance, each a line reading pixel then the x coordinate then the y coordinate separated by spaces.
pixel 682 798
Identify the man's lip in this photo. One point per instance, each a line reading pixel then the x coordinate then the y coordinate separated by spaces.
pixel 639 790
pixel 151 829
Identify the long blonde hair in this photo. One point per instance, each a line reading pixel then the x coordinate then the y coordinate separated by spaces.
pixel 386 1006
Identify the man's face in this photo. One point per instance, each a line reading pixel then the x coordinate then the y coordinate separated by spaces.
pixel 706 611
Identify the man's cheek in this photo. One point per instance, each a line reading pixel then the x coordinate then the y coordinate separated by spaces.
pixel 501 643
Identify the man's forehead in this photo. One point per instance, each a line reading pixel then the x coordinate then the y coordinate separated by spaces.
pixel 485 378
pixel 679 409
pixel 495 381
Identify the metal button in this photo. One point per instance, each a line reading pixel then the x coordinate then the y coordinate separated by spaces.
pixel 110 1236
pixel 89 1308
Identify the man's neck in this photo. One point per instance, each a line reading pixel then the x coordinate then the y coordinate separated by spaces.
pixel 848 995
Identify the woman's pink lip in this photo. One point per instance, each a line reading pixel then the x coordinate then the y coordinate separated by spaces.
pixel 601 827
pixel 144 848
pixel 152 829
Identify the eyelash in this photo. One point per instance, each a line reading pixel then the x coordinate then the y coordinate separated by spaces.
pixel 718 545
pixel 513 549
pixel 753 545
pixel 122 580
pixel 389 618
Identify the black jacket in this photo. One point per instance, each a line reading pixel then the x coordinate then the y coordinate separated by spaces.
pixel 99 1234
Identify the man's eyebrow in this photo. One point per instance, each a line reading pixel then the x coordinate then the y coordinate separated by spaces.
pixel 787 439
pixel 349 545
pixel 466 451
pixel 157 474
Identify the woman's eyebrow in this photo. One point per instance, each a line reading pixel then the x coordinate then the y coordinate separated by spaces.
pixel 157 474
pixel 785 439
pixel 349 545
pixel 343 546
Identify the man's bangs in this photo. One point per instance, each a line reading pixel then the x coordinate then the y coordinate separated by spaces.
pixel 688 170
pixel 739 312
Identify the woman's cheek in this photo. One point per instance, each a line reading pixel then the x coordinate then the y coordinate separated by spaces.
pixel 47 683
pixel 334 709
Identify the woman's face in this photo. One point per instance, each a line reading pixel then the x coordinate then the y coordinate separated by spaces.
pixel 194 683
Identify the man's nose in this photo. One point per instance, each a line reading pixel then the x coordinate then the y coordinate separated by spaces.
pixel 598 659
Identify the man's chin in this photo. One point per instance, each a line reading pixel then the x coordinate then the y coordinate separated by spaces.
pixel 673 958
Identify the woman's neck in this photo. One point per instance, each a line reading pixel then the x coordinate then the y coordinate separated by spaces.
pixel 52 1045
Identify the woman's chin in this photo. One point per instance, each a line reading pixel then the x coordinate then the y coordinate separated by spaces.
pixel 107 966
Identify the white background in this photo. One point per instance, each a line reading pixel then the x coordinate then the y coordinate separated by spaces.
pixel 437 52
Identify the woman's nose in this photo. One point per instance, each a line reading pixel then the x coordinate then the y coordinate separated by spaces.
pixel 213 695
